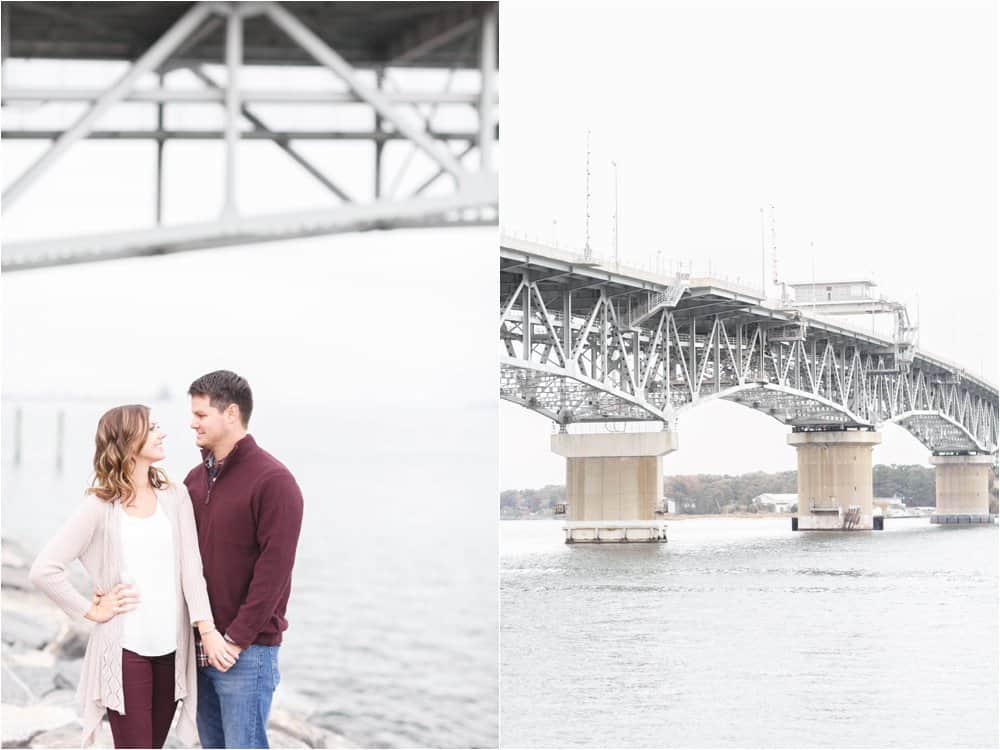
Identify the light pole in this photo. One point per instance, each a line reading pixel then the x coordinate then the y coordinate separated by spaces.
pixel 615 165
pixel 763 258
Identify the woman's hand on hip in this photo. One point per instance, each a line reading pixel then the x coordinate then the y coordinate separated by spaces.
pixel 216 651
pixel 121 599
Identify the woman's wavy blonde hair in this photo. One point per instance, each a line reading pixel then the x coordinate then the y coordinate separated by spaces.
pixel 121 433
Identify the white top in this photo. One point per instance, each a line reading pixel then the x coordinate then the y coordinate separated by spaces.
pixel 148 565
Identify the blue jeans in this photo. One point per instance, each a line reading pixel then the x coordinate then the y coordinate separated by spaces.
pixel 233 706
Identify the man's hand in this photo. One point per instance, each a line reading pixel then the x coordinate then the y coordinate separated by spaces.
pixel 232 649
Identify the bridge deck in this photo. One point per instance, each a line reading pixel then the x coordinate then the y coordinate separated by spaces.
pixel 705 298
pixel 366 34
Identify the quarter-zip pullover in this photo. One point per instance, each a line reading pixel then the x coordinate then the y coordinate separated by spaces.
pixel 248 519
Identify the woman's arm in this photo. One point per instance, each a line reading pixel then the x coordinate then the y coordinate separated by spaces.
pixel 192 578
pixel 48 573
pixel 193 584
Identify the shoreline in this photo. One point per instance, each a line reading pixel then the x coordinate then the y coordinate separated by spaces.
pixel 42 655
pixel 674 516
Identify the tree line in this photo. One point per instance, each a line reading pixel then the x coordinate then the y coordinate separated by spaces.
pixel 717 493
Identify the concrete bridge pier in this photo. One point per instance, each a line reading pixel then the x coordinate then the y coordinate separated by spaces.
pixel 962 489
pixel 614 484
pixel 835 479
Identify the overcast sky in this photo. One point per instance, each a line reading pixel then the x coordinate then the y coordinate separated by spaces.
pixel 871 130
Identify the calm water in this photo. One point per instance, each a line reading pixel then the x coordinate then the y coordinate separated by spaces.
pixel 393 613
pixel 740 633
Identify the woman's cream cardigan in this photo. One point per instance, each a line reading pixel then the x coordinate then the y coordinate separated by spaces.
pixel 93 536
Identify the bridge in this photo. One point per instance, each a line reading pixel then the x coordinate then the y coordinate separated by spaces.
pixel 584 341
pixel 431 148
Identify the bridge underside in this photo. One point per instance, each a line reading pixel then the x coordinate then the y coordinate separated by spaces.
pixel 939 433
pixel 568 399
pixel 791 407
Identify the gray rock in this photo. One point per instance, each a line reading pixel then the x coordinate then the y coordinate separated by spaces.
pixel 278 738
pixel 65 736
pixel 67 674
pixel 69 735
pixel 19 628
pixel 16 578
pixel 33 605
pixel 22 725
pixel 14 554
pixel 70 642
pixel 65 697
pixel 15 691
pixel 288 725
pixel 35 681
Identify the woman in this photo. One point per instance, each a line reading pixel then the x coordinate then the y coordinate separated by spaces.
pixel 135 535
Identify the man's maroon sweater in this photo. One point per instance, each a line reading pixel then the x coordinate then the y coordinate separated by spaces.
pixel 248 527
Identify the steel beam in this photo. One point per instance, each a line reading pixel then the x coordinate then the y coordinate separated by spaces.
pixel 323 54
pixel 379 145
pixel 4 32
pixel 440 173
pixel 428 121
pixel 431 43
pixel 234 60
pixel 257 96
pixel 280 142
pixel 150 61
pixel 488 89
pixel 159 160
pixel 448 210
pixel 203 135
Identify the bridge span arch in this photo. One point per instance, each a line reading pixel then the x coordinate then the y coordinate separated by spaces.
pixel 568 397
pixel 790 406
pixel 941 433
pixel 571 397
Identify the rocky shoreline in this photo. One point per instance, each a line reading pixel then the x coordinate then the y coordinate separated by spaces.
pixel 42 654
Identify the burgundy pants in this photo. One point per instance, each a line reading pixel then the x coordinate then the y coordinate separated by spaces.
pixel 148 683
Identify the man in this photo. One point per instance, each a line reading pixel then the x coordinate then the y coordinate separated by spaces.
pixel 248 510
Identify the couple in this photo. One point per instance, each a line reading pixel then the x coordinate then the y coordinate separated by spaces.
pixel 191 580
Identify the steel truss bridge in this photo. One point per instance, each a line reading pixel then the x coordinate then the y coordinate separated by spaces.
pixel 450 172
pixel 585 342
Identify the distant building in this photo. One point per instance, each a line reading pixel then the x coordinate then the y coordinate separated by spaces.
pixel 781 501
pixel 891 506
pixel 669 505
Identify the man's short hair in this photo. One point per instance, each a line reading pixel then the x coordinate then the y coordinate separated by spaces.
pixel 223 388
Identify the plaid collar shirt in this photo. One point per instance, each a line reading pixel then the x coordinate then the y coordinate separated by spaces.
pixel 214 467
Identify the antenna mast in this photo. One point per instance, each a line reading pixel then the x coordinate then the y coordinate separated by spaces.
pixel 773 234
pixel 615 165
pixel 763 259
pixel 587 252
